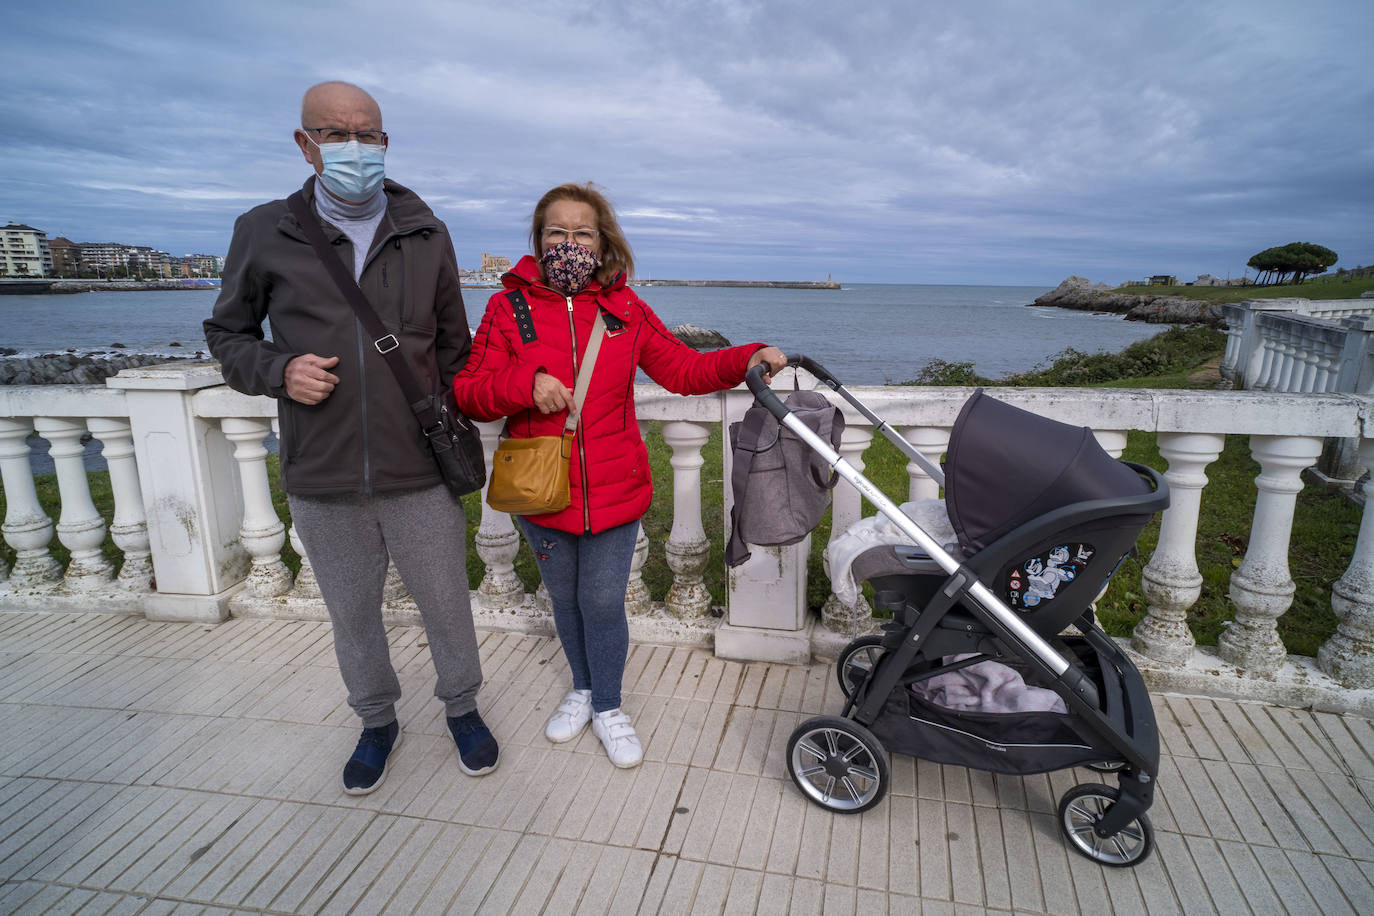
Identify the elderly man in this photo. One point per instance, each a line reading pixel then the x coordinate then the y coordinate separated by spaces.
pixel 361 482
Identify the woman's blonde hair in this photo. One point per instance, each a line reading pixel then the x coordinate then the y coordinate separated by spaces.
pixel 616 256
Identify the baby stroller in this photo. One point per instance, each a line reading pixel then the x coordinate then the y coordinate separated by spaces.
pixel 1043 518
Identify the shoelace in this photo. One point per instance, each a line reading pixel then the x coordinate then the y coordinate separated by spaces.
pixel 373 737
pixel 466 726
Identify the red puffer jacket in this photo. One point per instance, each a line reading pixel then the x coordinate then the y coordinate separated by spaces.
pixel 610 482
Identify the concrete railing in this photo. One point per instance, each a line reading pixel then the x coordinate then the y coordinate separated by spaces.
pixel 200 540
pixel 1305 346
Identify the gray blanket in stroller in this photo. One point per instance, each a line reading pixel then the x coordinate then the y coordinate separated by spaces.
pixel 986 687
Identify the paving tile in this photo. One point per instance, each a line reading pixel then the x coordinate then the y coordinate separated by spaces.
pixel 1339 730
pixel 1251 882
pixel 632 888
pixel 1320 883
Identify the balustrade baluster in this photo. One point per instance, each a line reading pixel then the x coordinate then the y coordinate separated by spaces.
pixel 637 599
pixel 27 528
pixel 687 549
pixel 1292 363
pixel 930 441
pixel 306 586
pixel 1113 441
pixel 80 527
pixel 1171 581
pixel 497 541
pixel 1269 349
pixel 129 529
pixel 845 509
pixel 1262 589
pixel 261 532
pixel 1348 656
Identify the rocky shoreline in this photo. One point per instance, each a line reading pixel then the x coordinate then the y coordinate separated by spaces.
pixel 1081 294
pixel 73 368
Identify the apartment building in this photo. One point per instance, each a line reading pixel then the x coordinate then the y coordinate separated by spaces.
pixel 24 252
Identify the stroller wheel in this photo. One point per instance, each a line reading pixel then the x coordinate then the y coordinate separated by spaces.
pixel 1082 808
pixel 856 662
pixel 838 764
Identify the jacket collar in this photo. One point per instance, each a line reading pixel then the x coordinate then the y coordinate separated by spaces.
pixel 405 213
pixel 526 273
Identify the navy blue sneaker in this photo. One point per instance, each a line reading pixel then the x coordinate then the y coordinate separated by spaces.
pixel 477 750
pixel 366 769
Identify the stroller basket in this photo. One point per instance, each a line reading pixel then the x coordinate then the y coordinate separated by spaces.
pixel 1043 517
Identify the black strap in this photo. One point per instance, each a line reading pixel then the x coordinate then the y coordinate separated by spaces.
pixel 385 341
pixel 523 319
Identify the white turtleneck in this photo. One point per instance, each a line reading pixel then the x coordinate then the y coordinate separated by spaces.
pixel 357 221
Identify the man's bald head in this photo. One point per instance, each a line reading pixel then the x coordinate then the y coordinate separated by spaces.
pixel 326 102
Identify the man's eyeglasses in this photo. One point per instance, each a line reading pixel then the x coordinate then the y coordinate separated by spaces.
pixel 556 234
pixel 339 135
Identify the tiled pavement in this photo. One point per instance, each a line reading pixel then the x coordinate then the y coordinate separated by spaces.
pixel 158 768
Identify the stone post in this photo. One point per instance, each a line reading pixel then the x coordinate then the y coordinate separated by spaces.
pixel 27 528
pixel 766 617
pixel 80 527
pixel 1261 589
pixel 190 491
pixel 497 541
pixel 130 528
pixel 687 549
pixel 846 508
pixel 261 532
pixel 1348 656
pixel 1171 581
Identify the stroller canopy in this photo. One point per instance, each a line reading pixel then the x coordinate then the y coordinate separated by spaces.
pixel 1006 466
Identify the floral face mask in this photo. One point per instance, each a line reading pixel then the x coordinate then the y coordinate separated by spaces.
pixel 569 266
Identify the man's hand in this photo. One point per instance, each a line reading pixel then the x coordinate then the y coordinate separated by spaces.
pixel 551 395
pixel 775 358
pixel 308 380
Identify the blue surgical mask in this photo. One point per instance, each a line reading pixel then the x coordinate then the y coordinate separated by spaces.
pixel 353 171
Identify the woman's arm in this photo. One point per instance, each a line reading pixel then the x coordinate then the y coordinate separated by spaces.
pixel 494 383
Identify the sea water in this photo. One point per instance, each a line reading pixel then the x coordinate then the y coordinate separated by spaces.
pixel 865 334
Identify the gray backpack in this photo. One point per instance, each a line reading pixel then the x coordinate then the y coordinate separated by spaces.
pixel 781 486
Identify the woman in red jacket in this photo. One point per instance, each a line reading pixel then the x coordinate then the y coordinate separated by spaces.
pixel 523 366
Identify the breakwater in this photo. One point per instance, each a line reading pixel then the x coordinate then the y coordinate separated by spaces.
pixel 43 285
pixel 73 368
pixel 747 284
pixel 1084 296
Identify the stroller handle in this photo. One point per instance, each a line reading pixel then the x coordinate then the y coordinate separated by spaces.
pixel 754 379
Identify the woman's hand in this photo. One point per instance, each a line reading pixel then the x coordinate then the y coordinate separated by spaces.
pixel 775 358
pixel 551 395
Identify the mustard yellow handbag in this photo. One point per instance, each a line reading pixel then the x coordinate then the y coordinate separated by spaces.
pixel 530 476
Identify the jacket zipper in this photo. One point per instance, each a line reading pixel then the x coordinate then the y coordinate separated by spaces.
pixel 581 451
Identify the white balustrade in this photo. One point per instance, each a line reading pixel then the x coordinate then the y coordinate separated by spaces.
pixel 80 527
pixel 129 529
pixel 931 442
pixel 27 528
pixel 1171 580
pixel 687 549
pixel 1261 589
pixel 261 532
pixel 637 600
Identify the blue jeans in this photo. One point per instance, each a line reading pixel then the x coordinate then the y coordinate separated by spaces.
pixel 586 575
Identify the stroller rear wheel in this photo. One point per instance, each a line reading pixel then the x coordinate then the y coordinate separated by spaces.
pixel 838 764
pixel 1082 808
pixel 856 662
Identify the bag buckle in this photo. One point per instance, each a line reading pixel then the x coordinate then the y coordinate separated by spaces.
pixel 380 342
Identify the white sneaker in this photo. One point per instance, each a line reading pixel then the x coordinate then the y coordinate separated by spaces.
pixel 570 718
pixel 618 736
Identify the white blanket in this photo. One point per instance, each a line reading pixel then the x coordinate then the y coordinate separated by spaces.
pixel 987 687
pixel 875 530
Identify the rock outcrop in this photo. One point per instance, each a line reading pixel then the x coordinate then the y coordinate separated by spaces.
pixel 1078 293
pixel 73 368
pixel 700 338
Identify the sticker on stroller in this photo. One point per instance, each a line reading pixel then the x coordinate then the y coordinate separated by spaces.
pixel 1038 578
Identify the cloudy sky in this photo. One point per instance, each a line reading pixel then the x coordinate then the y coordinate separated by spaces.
pixel 886 141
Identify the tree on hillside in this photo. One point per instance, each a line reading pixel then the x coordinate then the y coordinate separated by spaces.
pixel 1290 263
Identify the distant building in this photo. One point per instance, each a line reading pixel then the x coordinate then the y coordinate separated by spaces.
pixel 494 263
pixel 24 252
pixel 1163 280
pixel 66 256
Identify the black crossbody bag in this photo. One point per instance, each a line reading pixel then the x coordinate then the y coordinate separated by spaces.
pixel 452 438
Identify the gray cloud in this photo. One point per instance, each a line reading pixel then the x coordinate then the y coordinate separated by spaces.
pixel 893 141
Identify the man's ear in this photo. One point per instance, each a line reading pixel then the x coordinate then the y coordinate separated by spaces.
pixel 303 141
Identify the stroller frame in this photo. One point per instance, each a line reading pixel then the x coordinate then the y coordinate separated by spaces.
pixel 1109 707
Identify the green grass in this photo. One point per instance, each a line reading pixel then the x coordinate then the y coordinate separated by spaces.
pixel 1320 288
pixel 1323 537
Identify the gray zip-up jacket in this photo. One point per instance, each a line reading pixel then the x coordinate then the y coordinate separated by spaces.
pixel 363 437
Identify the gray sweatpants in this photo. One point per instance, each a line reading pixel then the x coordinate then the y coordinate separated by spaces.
pixel 348 540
